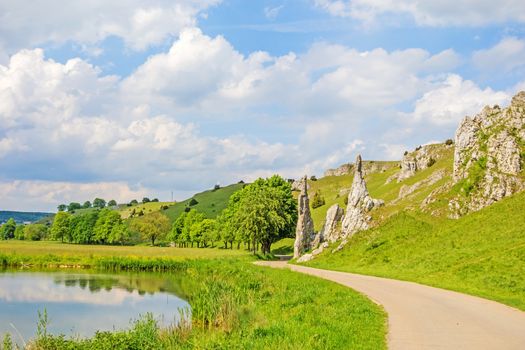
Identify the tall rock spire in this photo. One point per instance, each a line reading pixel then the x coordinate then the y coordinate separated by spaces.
pixel 359 203
pixel 305 224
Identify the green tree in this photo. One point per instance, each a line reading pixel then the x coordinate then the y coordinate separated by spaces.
pixel 62 207
pixel 73 206
pixel 35 232
pixel 83 225
pixel 318 200
pixel 152 227
pixel 134 202
pixel 60 228
pixel 19 232
pixel 145 200
pixel 86 205
pixel 99 203
pixel 107 221
pixel 7 231
pixel 112 203
pixel 175 234
pixel 192 217
pixel 264 212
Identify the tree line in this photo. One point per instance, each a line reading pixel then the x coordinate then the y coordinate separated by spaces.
pixel 99 203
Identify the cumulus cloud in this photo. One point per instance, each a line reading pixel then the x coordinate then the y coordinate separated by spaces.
pixel 454 99
pixel 429 13
pixel 66 125
pixel 140 24
pixel 504 57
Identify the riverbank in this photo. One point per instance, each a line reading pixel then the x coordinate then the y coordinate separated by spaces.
pixel 235 305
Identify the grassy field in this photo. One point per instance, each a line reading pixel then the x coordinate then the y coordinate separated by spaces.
pixel 210 202
pixel 235 304
pixel 482 253
pixel 71 254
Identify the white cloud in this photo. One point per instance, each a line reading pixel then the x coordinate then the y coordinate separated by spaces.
pixel 453 100
pixel 429 13
pixel 140 24
pixel 272 12
pixel 504 57
pixel 46 195
pixel 203 113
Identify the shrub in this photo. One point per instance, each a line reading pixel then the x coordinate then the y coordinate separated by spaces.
pixel 431 162
pixel 449 142
pixel 318 200
pixel 193 202
pixel 419 147
pixel 313 178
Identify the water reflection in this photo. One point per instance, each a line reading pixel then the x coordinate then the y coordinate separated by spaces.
pixel 81 303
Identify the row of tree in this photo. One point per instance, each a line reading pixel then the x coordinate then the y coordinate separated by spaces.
pixel 33 232
pixel 259 214
pixel 99 203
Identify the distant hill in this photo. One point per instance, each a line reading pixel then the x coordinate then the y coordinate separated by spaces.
pixel 210 202
pixel 22 217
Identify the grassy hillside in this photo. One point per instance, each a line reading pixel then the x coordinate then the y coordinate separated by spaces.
pixel 146 208
pixel 482 253
pixel 210 202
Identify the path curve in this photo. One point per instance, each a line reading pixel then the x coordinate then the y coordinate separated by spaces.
pixel 422 317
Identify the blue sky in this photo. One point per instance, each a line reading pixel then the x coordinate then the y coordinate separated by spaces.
pixel 142 98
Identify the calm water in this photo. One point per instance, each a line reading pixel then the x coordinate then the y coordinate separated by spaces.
pixel 81 303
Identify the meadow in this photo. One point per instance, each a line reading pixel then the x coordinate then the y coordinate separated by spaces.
pixel 482 253
pixel 235 305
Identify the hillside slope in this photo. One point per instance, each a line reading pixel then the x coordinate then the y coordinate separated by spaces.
pixel 482 253
pixel 210 203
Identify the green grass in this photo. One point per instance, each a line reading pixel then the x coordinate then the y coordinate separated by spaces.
pixel 237 305
pixel 482 253
pixel 75 254
pixel 283 247
pixel 210 203
pixel 146 208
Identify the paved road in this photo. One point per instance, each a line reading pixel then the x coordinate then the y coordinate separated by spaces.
pixel 422 317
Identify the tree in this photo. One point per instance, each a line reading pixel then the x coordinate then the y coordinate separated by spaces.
pixel 60 228
pixel 318 200
pixel 35 232
pixel 264 211
pixel 99 203
pixel 112 203
pixel 62 207
pixel 107 221
pixel 192 217
pixel 193 202
pixel 73 206
pixel 134 202
pixel 7 231
pixel 82 227
pixel 156 200
pixel 175 234
pixel 145 200
pixel 19 232
pixel 86 205
pixel 153 226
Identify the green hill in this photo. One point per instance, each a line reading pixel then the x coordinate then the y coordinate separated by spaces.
pixel 482 253
pixel 210 202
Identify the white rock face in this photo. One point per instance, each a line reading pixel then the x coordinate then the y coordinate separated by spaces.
pixel 417 160
pixel 488 158
pixel 305 225
pixel 331 231
pixel 359 204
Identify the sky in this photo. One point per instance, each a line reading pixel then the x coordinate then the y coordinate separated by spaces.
pixel 126 99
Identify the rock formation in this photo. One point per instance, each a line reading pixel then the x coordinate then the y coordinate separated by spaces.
pixel 420 159
pixel 489 156
pixel 367 168
pixel 305 225
pixel 297 185
pixel 359 204
pixel 331 230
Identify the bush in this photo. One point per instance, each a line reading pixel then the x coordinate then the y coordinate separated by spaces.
pixel 449 142
pixel 313 178
pixel 419 147
pixel 431 162
pixel 193 202
pixel 318 200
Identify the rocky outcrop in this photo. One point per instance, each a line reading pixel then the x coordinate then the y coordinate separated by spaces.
pixel 331 230
pixel 305 225
pixel 297 185
pixel 420 159
pixel 368 167
pixel 489 156
pixel 359 204
pixel 407 190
